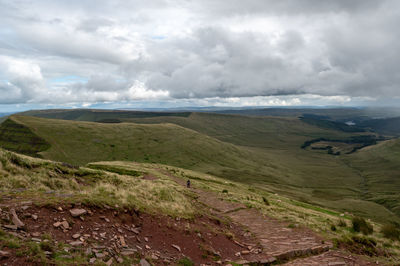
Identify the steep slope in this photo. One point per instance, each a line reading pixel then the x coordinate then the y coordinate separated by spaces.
pixel 19 138
pixel 82 142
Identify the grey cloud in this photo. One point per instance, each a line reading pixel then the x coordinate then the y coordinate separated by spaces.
pixel 317 47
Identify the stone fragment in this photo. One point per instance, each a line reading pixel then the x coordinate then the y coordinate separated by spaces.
pixel 35 234
pixel 65 224
pixel 15 219
pixel 128 252
pixel 176 247
pixel 34 217
pixel 4 254
pixel 147 247
pixel 77 212
pixel 57 224
pixel 144 262
pixel 76 243
pixel 92 260
pixel 10 226
pixel 109 262
pixel 76 236
pixel 122 240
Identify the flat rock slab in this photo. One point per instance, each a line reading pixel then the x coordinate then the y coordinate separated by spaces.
pixel 330 258
pixel 273 238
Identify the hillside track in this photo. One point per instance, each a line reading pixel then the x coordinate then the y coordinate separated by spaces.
pixel 277 243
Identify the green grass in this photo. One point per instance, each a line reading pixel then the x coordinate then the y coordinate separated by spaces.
pixel 19 138
pixel 93 187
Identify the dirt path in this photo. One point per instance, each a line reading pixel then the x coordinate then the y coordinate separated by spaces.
pixel 276 243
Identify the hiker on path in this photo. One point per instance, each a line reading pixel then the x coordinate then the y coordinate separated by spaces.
pixel 188 183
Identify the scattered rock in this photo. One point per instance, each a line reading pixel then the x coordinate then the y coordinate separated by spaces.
pixel 77 212
pixel 60 209
pixel 338 263
pixel 245 252
pixel 65 224
pixel 176 247
pixel 146 239
pixel 34 217
pixel 36 239
pixel 76 236
pixel 10 226
pixel 57 224
pixel 4 254
pixel 120 260
pixel 92 260
pixel 15 219
pixel 147 247
pixel 122 240
pixel 129 252
pixel 144 262
pixel 76 243
pixel 100 255
pixel 109 262
pixel 24 208
pixel 35 234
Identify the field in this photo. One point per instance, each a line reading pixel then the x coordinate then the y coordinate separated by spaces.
pixel 259 151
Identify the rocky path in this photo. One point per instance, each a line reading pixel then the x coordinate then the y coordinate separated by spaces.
pixel 276 243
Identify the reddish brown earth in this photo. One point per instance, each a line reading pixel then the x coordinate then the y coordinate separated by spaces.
pixel 202 239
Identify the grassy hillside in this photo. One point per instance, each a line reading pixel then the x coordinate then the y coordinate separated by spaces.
pixel 36 178
pixel 388 126
pixel 19 138
pixel 379 166
pixel 263 152
pixel 82 142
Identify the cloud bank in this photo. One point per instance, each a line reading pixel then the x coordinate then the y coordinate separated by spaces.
pixel 199 52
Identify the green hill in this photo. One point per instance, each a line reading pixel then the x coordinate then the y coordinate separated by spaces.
pixel 260 151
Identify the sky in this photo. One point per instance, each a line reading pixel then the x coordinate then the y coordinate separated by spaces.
pixel 174 53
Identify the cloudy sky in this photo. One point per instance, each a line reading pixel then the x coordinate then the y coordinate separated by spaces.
pixel 169 53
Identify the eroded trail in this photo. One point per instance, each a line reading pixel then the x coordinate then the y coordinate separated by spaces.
pixel 272 241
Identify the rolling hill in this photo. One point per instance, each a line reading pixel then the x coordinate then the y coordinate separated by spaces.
pixel 261 151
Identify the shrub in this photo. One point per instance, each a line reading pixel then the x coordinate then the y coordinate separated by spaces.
pixel 333 227
pixel 361 225
pixel 225 191
pixel 185 262
pixel 390 231
pixel 342 223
